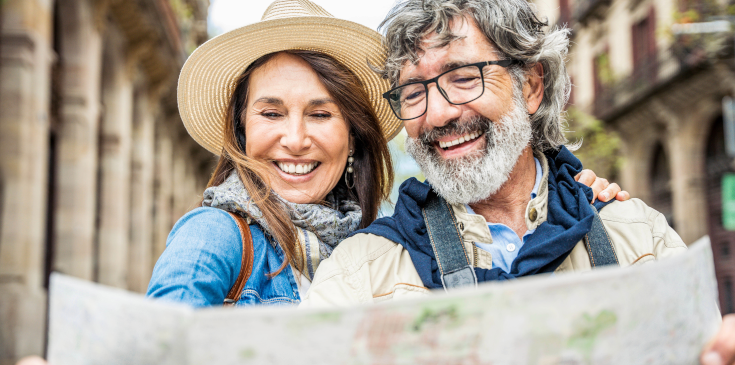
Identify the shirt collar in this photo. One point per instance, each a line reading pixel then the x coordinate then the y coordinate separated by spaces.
pixel 539 175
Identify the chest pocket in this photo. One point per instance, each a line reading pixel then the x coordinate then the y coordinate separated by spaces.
pixel 279 290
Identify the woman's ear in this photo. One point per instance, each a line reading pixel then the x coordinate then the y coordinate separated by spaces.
pixel 351 144
pixel 533 89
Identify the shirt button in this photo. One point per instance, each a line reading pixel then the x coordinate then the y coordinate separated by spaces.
pixel 511 247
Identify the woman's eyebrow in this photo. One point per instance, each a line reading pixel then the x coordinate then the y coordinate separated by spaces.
pixel 318 102
pixel 269 100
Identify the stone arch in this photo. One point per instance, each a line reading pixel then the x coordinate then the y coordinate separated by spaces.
pixel 640 134
pixel 717 164
pixel 707 115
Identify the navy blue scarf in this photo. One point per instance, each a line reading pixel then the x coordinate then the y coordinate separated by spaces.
pixel 569 219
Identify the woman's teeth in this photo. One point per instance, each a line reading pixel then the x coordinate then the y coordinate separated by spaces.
pixel 296 169
pixel 463 139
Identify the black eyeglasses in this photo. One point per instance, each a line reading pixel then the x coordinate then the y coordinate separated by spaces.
pixel 459 86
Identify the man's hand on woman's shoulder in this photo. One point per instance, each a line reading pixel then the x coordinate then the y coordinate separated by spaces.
pixel 602 189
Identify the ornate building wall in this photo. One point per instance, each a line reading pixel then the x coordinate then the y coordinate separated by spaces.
pixel 95 165
pixel 662 94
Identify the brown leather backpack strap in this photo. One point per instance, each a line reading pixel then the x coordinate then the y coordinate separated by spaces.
pixel 246 267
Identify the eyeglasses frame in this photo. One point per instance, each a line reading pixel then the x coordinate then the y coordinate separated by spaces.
pixel 502 63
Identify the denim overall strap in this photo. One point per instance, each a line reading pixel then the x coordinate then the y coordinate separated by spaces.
pixel 446 241
pixel 599 245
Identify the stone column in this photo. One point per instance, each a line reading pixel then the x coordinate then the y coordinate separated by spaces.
pixel 687 180
pixel 163 187
pixel 26 56
pixel 180 204
pixel 635 172
pixel 141 188
pixel 684 137
pixel 76 153
pixel 115 134
pixel 639 134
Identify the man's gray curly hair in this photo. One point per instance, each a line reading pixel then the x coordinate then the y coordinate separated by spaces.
pixel 515 30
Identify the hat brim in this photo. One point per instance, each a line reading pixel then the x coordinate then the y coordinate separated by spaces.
pixel 207 79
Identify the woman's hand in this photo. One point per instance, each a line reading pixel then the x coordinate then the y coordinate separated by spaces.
pixel 721 349
pixel 601 188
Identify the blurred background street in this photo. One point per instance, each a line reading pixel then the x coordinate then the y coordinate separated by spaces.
pixel 96 166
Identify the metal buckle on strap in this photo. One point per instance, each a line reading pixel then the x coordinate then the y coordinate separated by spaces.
pixel 462 277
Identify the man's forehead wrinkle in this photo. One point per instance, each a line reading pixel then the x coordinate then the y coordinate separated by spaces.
pixel 445 39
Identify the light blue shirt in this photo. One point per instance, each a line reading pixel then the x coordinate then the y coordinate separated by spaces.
pixel 506 243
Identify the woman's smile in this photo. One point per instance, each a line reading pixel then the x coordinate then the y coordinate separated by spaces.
pixel 296 168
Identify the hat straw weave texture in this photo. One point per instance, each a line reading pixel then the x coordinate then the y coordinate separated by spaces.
pixel 208 77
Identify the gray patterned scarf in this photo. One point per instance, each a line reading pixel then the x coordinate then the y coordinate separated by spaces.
pixel 329 225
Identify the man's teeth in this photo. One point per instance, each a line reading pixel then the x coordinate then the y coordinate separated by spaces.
pixel 463 139
pixel 296 169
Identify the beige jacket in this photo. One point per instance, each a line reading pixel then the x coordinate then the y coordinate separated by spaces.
pixel 367 268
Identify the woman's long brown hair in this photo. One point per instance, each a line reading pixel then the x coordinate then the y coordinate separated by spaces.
pixel 373 168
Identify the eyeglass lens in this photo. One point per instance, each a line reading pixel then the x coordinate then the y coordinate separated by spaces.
pixel 458 86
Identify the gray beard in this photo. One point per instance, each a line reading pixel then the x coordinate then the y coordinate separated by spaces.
pixel 478 175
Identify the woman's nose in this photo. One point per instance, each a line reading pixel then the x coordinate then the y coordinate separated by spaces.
pixel 295 137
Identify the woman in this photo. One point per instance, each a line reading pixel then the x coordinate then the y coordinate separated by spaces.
pixel 303 155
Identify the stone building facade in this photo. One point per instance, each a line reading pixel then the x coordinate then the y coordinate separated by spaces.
pixel 95 164
pixel 661 91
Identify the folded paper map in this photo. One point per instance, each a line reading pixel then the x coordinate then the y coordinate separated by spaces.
pixel 658 313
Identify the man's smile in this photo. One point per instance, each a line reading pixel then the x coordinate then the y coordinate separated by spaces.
pixel 458 141
pixel 462 149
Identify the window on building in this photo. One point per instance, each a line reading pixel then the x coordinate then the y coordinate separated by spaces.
pixel 725 248
pixel 729 302
pixel 645 65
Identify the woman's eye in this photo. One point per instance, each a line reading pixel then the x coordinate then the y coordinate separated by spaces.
pixel 321 115
pixel 270 114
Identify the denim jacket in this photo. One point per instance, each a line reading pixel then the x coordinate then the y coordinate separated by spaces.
pixel 202 261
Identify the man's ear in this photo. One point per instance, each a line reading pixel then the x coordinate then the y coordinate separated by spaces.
pixel 533 89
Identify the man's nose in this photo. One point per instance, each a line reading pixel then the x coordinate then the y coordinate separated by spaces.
pixel 439 111
pixel 295 136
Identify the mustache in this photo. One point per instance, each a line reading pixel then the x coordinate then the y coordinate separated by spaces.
pixel 456 127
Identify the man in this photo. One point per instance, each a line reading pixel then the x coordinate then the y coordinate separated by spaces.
pixel 481 89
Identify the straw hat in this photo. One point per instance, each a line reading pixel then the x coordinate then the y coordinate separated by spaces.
pixel 207 78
